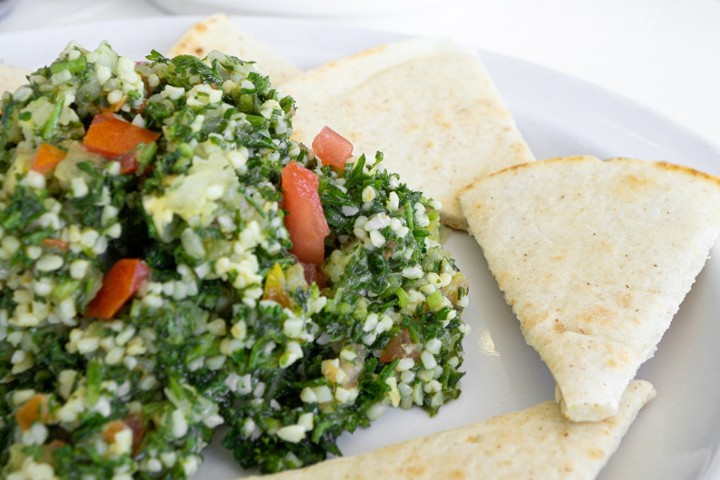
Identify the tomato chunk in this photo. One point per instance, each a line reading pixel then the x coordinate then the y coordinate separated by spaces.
pixel 400 346
pixel 332 148
pixel 46 158
pixel 133 422
pixel 34 409
pixel 305 219
pixel 55 243
pixel 137 424
pixel 128 162
pixel 314 274
pixel 111 136
pixel 111 429
pixel 120 283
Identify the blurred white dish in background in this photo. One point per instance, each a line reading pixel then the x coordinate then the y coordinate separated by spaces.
pixel 5 6
pixel 301 8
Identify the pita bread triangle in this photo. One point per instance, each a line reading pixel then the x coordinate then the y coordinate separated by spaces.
pixel 219 32
pixel 595 258
pixel 12 77
pixel 534 443
pixel 429 106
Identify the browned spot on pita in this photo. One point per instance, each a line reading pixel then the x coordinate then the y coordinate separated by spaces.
pixel 415 470
pixel 370 51
pixel 596 453
pixel 443 122
pixel 457 475
pixel 598 315
pixel 688 170
pixel 625 298
pixel 638 182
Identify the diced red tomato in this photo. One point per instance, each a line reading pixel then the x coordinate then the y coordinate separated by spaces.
pixel 55 243
pixel 46 158
pixel 34 409
pixel 314 274
pixel 305 219
pixel 128 162
pixel 135 422
pixel 111 136
pixel 400 346
pixel 111 429
pixel 332 148
pixel 452 291
pixel 120 283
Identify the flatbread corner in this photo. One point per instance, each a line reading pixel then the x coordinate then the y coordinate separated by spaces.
pixel 12 77
pixel 538 442
pixel 219 32
pixel 429 105
pixel 594 257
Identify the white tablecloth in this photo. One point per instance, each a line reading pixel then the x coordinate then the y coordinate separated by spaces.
pixel 662 53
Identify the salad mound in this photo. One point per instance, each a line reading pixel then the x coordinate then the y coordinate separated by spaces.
pixel 152 290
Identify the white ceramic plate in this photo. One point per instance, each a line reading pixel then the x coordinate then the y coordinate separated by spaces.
pixel 5 6
pixel 677 436
pixel 299 8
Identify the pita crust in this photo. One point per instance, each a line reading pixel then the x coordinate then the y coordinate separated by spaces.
pixel 11 77
pixel 537 443
pixel 595 258
pixel 218 32
pixel 429 106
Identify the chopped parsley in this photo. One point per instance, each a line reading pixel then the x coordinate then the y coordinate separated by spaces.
pixel 227 329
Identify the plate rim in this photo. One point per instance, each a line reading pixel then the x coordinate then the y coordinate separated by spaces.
pixel 714 466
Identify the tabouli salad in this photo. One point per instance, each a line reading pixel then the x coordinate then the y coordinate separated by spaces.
pixel 171 262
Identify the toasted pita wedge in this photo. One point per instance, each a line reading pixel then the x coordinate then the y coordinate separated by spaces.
pixel 218 32
pixel 11 77
pixel 534 443
pixel 595 258
pixel 429 106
